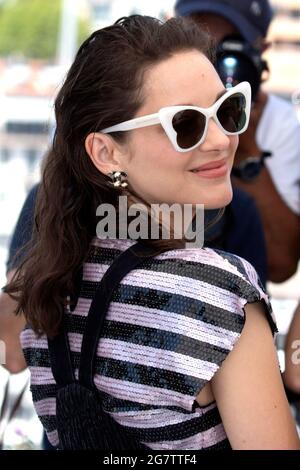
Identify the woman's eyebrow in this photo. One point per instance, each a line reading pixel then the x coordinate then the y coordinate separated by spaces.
pixel 221 93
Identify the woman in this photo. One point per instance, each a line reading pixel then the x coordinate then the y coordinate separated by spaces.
pixel 186 357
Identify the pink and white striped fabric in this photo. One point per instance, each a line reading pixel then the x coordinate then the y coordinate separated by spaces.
pixel 170 325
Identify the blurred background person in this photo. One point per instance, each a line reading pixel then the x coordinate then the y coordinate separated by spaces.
pixel 267 163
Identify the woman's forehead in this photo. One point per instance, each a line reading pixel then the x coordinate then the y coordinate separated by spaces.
pixel 185 78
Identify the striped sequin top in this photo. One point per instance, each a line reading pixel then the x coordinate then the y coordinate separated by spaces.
pixel 170 325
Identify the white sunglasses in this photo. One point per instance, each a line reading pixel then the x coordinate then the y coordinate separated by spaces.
pixel 186 126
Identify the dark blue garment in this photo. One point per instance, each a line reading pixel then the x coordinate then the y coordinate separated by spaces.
pixel 23 230
pixel 240 232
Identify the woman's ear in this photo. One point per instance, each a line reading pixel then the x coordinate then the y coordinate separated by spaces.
pixel 104 152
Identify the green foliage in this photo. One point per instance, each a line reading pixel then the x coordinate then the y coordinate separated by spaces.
pixel 30 28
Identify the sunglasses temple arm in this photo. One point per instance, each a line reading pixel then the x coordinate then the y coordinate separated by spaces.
pixel 136 123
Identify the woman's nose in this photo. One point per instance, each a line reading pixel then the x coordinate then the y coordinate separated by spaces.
pixel 215 139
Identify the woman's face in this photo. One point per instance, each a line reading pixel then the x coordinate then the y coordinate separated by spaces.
pixel 156 171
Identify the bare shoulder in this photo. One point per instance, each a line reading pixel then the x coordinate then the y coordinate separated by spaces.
pixel 249 391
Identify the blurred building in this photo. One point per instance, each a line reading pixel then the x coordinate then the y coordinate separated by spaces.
pixel 284 54
pixel 26 122
pixel 104 12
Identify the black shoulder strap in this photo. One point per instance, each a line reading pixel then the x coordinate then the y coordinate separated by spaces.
pixel 60 358
pixel 124 263
pixel 59 348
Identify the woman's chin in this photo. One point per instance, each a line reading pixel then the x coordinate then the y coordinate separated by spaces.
pixel 220 201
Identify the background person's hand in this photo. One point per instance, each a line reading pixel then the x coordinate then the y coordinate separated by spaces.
pixel 247 141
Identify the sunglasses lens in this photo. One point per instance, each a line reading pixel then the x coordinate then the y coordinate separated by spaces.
pixel 232 113
pixel 189 126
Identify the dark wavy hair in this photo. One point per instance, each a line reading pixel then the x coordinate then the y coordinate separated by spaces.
pixel 104 86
